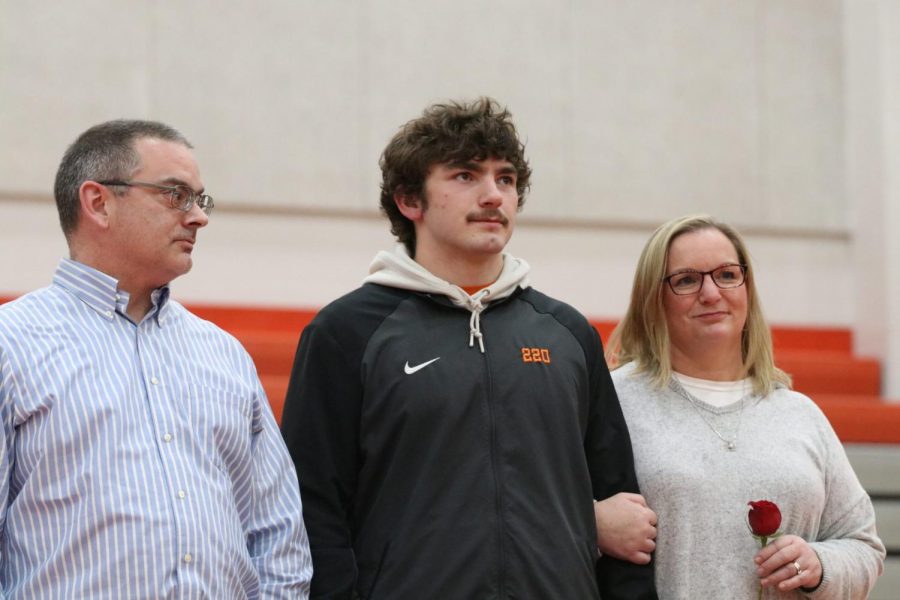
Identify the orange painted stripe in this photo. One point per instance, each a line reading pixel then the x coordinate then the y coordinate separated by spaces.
pixel 819 358
pixel 235 317
pixel 833 339
pixel 863 423
pixel 276 389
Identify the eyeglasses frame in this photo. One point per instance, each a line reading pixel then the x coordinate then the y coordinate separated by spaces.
pixel 204 201
pixel 703 274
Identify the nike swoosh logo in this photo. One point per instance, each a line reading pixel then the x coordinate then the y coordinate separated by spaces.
pixel 410 370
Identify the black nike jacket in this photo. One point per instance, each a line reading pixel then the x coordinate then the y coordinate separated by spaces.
pixel 430 470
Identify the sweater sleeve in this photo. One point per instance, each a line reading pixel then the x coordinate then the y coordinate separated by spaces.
pixel 320 424
pixel 849 549
pixel 611 462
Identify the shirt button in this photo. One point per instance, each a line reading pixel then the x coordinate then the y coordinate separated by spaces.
pixel 167 438
pixel 154 380
pixel 108 313
pixel 188 558
pixel 181 494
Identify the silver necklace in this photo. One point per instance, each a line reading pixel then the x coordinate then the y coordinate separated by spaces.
pixel 730 444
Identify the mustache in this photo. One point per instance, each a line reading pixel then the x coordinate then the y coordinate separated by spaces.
pixel 488 214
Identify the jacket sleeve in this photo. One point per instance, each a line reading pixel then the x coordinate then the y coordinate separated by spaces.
pixel 611 462
pixel 320 425
pixel 849 549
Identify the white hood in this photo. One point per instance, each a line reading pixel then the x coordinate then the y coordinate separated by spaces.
pixel 396 269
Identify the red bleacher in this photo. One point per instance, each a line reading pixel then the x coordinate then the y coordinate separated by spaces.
pixel 821 361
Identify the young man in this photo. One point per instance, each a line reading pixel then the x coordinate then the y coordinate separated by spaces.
pixel 451 424
pixel 140 456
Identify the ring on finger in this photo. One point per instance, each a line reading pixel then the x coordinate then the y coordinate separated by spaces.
pixel 796 565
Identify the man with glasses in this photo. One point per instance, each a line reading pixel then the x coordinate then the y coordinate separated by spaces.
pixel 140 456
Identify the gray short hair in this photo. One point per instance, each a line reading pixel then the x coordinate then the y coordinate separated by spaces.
pixel 103 152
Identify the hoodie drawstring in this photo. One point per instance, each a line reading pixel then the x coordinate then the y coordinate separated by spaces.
pixel 398 270
pixel 475 305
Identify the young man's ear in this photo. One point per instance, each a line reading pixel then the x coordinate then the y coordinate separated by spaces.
pixel 94 200
pixel 410 205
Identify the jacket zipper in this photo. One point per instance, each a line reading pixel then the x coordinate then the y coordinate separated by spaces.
pixel 498 494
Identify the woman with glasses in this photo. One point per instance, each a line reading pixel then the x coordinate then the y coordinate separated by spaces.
pixel 714 425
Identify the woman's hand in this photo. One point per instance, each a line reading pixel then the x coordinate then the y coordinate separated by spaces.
pixel 789 563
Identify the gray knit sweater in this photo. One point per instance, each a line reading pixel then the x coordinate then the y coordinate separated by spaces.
pixel 786 452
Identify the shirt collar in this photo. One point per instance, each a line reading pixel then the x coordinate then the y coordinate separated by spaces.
pixel 101 292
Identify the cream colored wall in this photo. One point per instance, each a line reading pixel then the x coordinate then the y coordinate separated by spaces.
pixel 872 123
pixel 307 261
pixel 633 112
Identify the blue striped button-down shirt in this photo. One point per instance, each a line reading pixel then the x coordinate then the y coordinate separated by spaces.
pixel 139 460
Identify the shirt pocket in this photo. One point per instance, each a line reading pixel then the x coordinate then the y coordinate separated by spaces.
pixel 224 423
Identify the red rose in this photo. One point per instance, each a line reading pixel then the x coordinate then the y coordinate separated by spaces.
pixel 764 518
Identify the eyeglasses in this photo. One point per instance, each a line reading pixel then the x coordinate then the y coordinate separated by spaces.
pixel 181 197
pixel 690 282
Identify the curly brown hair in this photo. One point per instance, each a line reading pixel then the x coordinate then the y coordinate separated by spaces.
pixel 447 132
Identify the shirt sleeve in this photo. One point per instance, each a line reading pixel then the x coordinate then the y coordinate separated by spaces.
pixel 320 424
pixel 848 547
pixel 276 536
pixel 611 463
pixel 7 447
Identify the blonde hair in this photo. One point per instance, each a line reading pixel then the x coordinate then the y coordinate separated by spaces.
pixel 642 336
